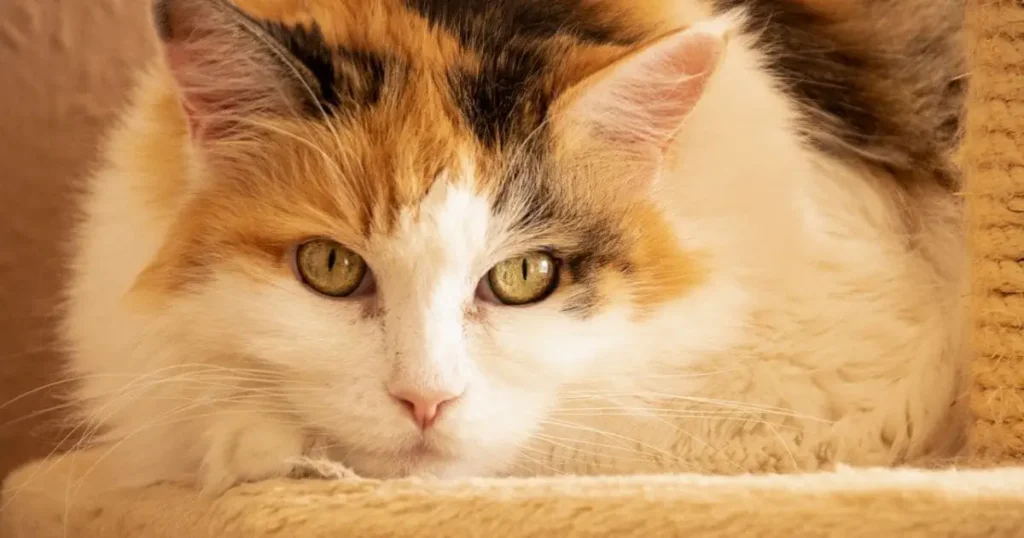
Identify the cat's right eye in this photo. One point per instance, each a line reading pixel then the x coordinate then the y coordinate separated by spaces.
pixel 331 269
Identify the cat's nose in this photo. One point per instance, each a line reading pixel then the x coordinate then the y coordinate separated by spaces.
pixel 423 404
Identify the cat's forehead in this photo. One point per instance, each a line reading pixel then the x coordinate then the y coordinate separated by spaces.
pixel 493 68
pixel 409 91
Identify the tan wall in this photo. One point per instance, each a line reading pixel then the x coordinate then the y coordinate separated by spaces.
pixel 64 68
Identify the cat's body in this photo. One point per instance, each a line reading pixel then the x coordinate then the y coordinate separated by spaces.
pixel 756 239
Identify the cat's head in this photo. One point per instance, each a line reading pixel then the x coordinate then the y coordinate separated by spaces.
pixel 429 231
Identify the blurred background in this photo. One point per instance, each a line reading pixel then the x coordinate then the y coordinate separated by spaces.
pixel 67 66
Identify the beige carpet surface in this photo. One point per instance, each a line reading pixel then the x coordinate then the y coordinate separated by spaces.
pixel 44 500
pixel 862 503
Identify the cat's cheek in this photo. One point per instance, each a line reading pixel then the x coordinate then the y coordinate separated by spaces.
pixel 559 348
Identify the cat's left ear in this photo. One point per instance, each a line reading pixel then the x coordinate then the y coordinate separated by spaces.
pixel 642 100
pixel 229 68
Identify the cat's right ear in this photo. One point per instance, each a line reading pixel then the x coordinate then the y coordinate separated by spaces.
pixel 228 67
pixel 640 102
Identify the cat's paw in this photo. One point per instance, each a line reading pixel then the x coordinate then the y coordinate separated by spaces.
pixel 318 465
pixel 250 451
pixel 320 468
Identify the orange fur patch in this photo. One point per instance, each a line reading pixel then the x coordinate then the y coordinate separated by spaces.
pixel 662 271
pixel 299 181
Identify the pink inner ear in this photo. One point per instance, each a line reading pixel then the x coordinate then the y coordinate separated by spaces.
pixel 645 97
pixel 223 83
pixel 223 80
pixel 219 69
pixel 216 92
pixel 672 97
pixel 178 61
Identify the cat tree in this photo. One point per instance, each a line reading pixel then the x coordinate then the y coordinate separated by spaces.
pixel 993 157
pixel 38 502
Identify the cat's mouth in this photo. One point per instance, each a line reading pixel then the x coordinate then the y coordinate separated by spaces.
pixel 420 461
pixel 427 450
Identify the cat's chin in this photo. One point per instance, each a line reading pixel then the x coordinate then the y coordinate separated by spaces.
pixel 418 462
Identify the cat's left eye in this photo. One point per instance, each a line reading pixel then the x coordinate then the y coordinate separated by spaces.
pixel 521 280
pixel 331 269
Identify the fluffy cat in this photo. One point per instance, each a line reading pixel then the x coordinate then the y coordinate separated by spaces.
pixel 452 238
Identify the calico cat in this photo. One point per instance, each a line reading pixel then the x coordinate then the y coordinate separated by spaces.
pixel 519 237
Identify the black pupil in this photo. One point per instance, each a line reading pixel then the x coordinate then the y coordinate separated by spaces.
pixel 525 267
pixel 332 258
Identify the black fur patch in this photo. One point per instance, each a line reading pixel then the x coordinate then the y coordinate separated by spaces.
pixel 345 78
pixel 492 23
pixel 502 100
pixel 595 252
pixel 307 45
pixel 816 68
pixel 858 86
pixel 363 76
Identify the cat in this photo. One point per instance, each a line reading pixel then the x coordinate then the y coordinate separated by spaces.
pixel 526 237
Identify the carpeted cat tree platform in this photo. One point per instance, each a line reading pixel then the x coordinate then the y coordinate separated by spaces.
pixel 984 498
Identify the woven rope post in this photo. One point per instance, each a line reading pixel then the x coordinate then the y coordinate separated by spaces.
pixel 993 156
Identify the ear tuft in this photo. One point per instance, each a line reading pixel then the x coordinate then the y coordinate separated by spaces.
pixel 162 19
pixel 174 20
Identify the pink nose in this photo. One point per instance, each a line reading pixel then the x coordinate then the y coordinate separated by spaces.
pixel 424 405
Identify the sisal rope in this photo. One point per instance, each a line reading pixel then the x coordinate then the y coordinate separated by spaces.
pixel 994 164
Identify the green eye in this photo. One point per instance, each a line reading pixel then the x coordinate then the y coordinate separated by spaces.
pixel 330 268
pixel 524 279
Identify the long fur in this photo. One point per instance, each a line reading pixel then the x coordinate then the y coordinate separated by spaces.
pixel 743 289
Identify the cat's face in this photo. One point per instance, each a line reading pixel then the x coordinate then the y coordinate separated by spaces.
pixel 427 276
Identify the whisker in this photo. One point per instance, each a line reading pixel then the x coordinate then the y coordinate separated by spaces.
pixel 573 445
pixel 608 434
pixel 541 464
pixel 736 405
